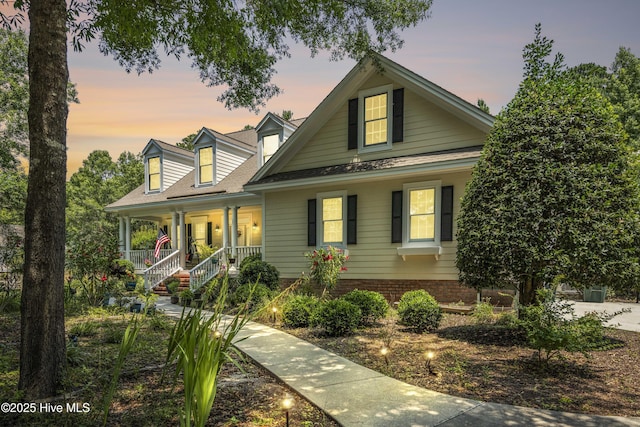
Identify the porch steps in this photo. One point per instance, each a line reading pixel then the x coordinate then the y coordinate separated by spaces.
pixel 183 276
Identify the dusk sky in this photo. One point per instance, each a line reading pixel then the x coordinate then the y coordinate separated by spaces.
pixel 471 48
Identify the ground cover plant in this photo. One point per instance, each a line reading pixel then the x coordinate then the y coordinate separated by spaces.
pixel 245 397
pixel 489 360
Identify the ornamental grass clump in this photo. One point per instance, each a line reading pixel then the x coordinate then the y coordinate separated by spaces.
pixel 325 267
pixel 419 311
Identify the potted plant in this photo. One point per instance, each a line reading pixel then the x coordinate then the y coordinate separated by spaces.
pixel 186 296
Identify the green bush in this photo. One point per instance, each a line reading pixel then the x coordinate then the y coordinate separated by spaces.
pixel 552 327
pixel 483 313
pixel 256 294
pixel 419 311
pixel 372 304
pixel 249 259
pixel 260 272
pixel 337 317
pixel 297 311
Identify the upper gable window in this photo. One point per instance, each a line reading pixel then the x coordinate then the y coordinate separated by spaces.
pixel 205 159
pixel 270 144
pixel 376 119
pixel 154 173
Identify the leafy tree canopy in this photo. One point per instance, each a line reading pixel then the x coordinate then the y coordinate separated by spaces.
pixel 554 197
pixel 237 44
pixel 187 142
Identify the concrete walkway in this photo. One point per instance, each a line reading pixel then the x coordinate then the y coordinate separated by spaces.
pixel 357 396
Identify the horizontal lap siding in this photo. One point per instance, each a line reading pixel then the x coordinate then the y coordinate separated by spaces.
pixel 427 128
pixel 226 162
pixel 173 171
pixel 373 257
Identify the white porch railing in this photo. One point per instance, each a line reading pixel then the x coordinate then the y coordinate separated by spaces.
pixel 138 257
pixel 243 252
pixel 206 270
pixel 161 270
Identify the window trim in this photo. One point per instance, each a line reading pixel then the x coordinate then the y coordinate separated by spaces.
pixel 213 166
pixel 148 174
pixel 320 220
pixel 362 148
pixel 262 137
pixel 406 217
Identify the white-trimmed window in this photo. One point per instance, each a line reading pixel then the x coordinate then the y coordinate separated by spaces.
pixel 332 214
pixel 422 214
pixel 153 173
pixel 375 118
pixel 205 161
pixel 270 144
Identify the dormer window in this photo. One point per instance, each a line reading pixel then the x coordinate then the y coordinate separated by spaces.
pixel 205 158
pixel 153 177
pixel 270 144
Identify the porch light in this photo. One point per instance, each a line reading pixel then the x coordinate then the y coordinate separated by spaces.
pixel 255 226
pixel 217 229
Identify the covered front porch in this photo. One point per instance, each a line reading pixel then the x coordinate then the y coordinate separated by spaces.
pixel 202 241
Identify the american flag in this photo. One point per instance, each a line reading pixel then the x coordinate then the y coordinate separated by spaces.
pixel 161 240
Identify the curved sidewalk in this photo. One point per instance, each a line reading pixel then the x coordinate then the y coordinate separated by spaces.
pixel 357 396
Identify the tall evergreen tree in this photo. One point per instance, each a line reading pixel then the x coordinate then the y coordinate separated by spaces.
pixel 554 197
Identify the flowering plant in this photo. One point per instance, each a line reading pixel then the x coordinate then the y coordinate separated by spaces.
pixel 325 265
pixel 148 262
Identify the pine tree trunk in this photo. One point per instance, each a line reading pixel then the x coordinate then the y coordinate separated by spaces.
pixel 43 346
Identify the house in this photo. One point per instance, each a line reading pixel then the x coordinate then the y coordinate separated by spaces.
pixel 378 169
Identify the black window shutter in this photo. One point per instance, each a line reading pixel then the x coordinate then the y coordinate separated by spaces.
pixel 166 229
pixel 396 217
pixel 353 124
pixel 188 232
pixel 311 222
pixel 398 115
pixel 446 214
pixel 352 217
pixel 209 234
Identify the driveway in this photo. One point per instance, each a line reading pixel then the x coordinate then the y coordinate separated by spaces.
pixel 628 321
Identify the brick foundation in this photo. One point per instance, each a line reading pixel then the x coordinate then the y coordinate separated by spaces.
pixel 444 291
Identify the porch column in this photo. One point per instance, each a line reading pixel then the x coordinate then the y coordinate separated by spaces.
pixel 121 237
pixel 127 237
pixel 225 227
pixel 183 243
pixel 234 232
pixel 174 231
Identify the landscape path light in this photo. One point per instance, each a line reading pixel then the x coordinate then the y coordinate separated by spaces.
pixel 287 403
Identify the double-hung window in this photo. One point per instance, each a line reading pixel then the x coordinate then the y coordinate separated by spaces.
pixel 332 220
pixel 375 118
pixel 270 144
pixel 153 173
pixel 422 222
pixel 205 159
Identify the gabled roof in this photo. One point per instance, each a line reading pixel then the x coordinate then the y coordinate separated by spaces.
pixel 278 120
pixel 237 139
pixel 185 188
pixel 163 146
pixel 337 98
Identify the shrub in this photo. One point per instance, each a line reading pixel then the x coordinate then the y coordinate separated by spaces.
pixel 372 305
pixel 325 266
pixel 256 295
pixel 419 310
pixel 551 327
pixel 297 311
pixel 260 272
pixel 483 313
pixel 249 259
pixel 337 317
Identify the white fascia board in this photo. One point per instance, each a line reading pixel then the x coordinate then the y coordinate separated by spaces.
pixel 187 203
